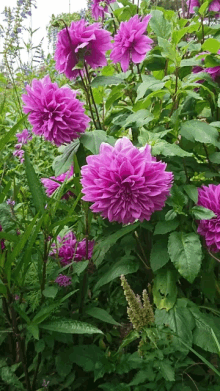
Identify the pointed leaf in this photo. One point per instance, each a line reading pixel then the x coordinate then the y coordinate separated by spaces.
pixel 69 326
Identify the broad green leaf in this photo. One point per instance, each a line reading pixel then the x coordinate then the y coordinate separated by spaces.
pixel 63 364
pixel 142 376
pixel 185 252
pixel 192 192
pixel 212 45
pixel 179 319
pixel 127 265
pixel 162 147
pixel 195 130
pixel 35 186
pixel 5 139
pixel 63 162
pixel 164 227
pixel 86 356
pixel 102 315
pixel 50 291
pixel 202 213
pixel 9 378
pixel 149 83
pixel 159 255
pixel 168 50
pixel 140 117
pixel 160 26
pixel 104 245
pixel 165 289
pixel 215 157
pixel 202 9
pixel 34 330
pixel 106 81
pixel 92 140
pixel 65 325
pixel 167 370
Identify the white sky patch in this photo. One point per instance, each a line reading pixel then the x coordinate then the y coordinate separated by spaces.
pixel 42 15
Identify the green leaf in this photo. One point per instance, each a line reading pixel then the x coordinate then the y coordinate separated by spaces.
pixel 163 227
pixel 127 265
pixel 165 289
pixel 195 130
pixel 102 315
pixel 86 356
pixel 50 291
pixel 40 346
pixel 202 9
pixel 162 147
pixel 35 186
pixel 192 192
pixel 104 245
pixel 5 139
pixel 106 81
pixel 11 379
pixel 92 140
pixel 212 45
pixel 4 192
pixel 167 371
pixel 34 330
pixel 202 213
pixel 215 157
pixel 160 26
pixel 185 252
pixel 179 319
pixel 168 50
pixel 149 83
pixel 63 162
pixel 159 255
pixel 17 249
pixel 142 375
pixel 63 364
pixel 65 325
pixel 140 118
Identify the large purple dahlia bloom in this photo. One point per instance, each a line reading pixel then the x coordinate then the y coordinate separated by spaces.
pixel 52 184
pixel 125 183
pixel 54 112
pixel 69 249
pixel 209 197
pixel 99 7
pixel 81 41
pixel 131 43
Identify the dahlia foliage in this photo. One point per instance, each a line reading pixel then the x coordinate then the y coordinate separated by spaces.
pixel 81 42
pixel 125 183
pixel 55 113
pixel 131 44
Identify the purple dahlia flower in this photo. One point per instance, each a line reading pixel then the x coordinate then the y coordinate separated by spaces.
pixel 214 5
pixel 51 184
pixel 99 7
pixel 214 72
pixel 63 280
pixel 81 42
pixel 125 183
pixel 209 197
pixel 69 249
pixel 131 43
pixel 54 112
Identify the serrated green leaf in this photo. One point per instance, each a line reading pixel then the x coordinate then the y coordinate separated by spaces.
pixel 65 325
pixel 160 26
pixel 185 252
pixel 50 291
pixel 106 81
pixel 159 255
pixel 192 192
pixel 202 132
pixel 165 289
pixel 63 162
pixel 202 213
pixel 163 227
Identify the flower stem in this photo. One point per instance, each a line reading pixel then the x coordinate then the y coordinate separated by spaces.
pixel 92 96
pixel 88 98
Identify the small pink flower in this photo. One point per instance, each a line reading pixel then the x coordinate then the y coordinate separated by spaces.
pixel 23 137
pixel 51 184
pixel 63 280
pixel 2 241
pixel 131 42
